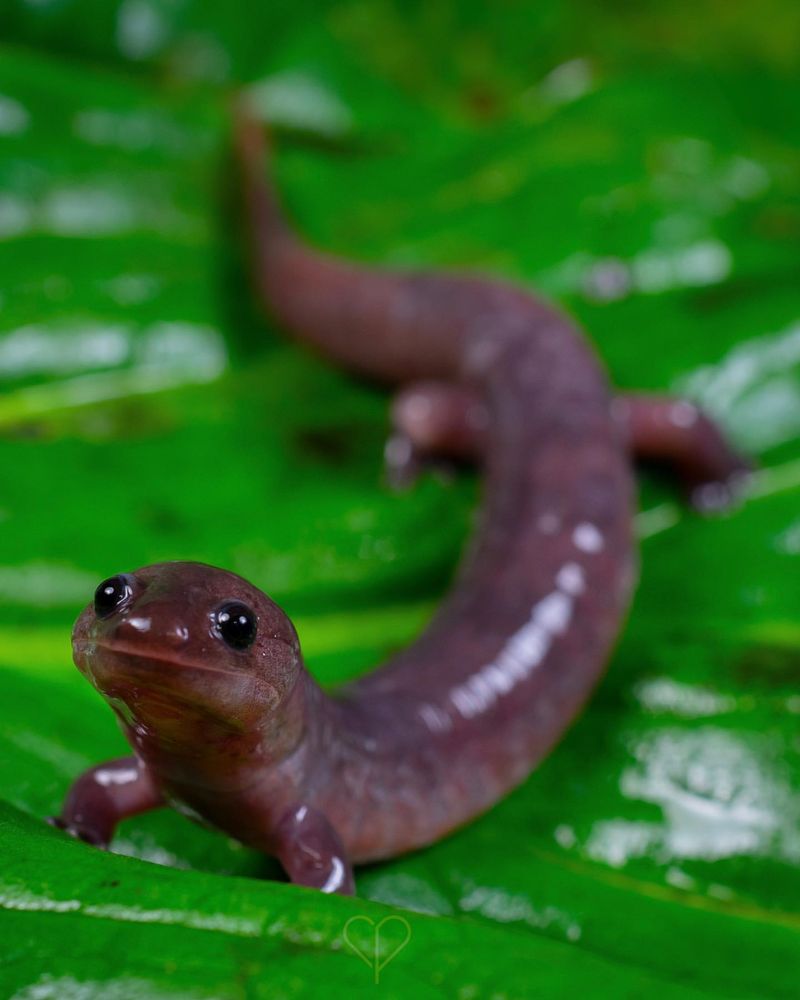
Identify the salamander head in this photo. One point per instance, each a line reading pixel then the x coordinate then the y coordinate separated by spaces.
pixel 184 651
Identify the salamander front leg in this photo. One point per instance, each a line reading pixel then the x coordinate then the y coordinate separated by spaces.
pixel 679 434
pixel 105 795
pixel 433 419
pixel 311 852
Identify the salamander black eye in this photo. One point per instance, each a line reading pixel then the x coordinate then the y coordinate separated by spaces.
pixel 235 624
pixel 112 594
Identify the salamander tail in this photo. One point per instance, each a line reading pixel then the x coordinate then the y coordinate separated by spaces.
pixel 267 223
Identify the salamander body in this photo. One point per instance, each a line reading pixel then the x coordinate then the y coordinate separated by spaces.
pixel 205 672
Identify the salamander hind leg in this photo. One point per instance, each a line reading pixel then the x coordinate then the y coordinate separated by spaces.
pixel 678 434
pixel 312 853
pixel 433 420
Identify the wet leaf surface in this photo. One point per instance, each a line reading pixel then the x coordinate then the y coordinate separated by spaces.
pixel 149 413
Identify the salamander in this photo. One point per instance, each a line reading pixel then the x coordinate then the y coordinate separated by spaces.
pixel 205 673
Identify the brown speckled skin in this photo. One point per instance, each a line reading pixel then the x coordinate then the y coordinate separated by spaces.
pixel 247 741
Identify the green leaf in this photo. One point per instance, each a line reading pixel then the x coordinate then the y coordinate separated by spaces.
pixel 148 412
pixel 190 935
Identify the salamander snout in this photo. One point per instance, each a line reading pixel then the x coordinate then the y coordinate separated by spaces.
pixel 167 631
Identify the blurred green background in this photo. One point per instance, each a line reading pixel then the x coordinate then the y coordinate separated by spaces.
pixel 637 163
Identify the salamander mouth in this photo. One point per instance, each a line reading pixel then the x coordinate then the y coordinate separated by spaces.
pixel 163 687
pixel 122 670
pixel 144 660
